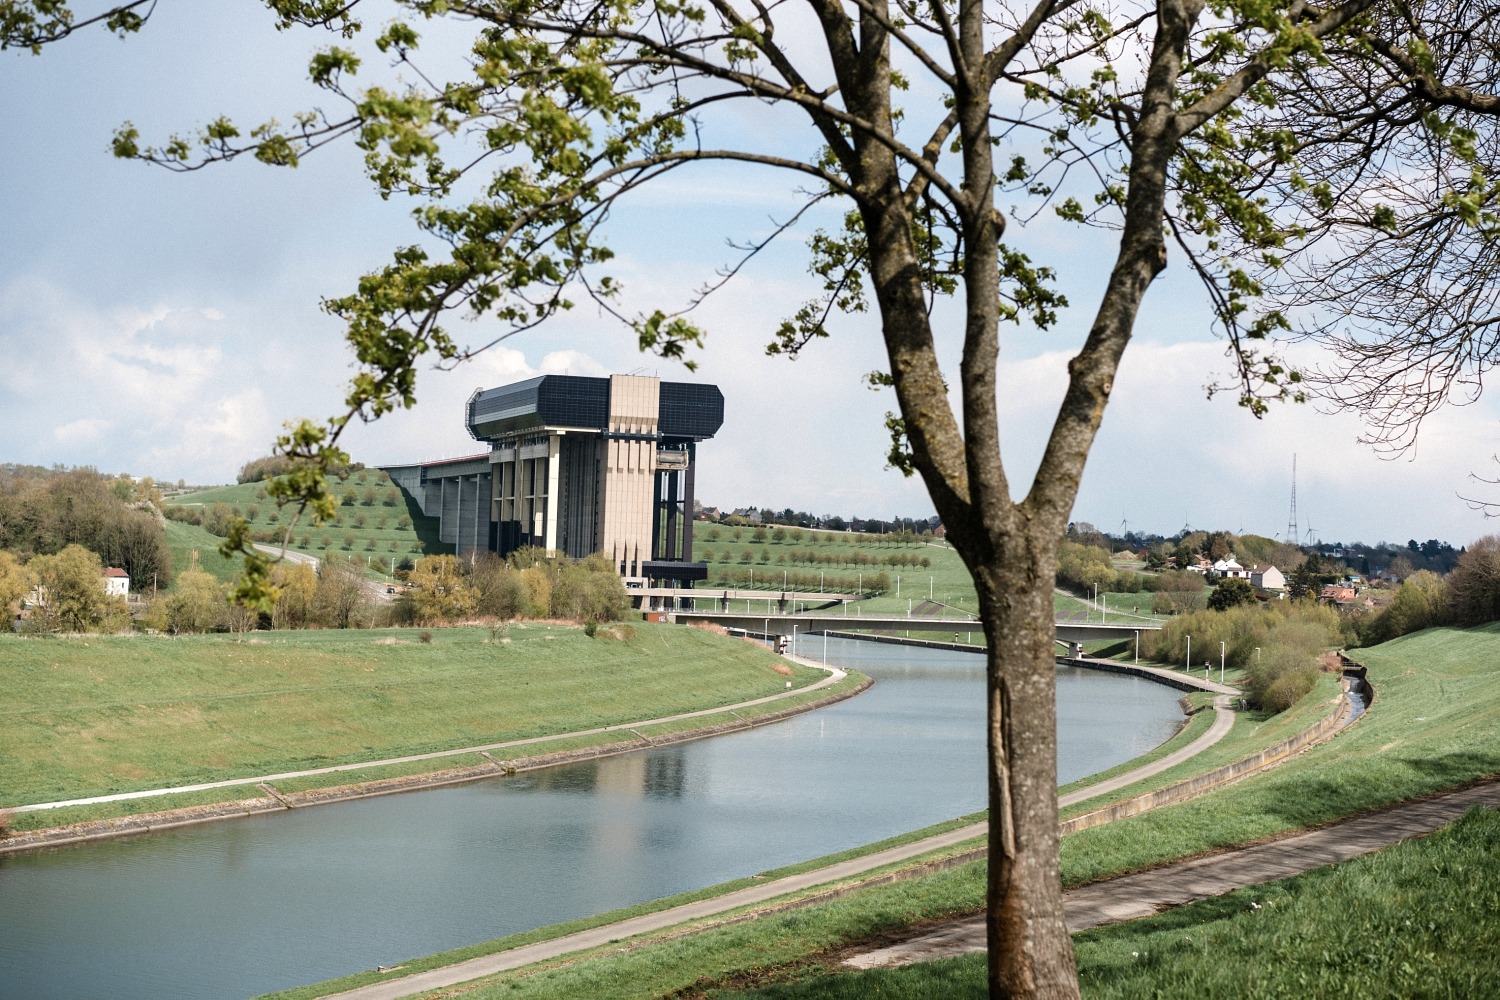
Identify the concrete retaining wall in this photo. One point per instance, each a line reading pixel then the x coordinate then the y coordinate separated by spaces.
pixel 1191 788
pixel 962 647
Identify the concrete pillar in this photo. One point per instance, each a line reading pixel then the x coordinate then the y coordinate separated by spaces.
pixel 554 474
pixel 672 516
pixel 687 503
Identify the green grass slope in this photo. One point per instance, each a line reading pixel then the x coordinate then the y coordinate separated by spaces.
pixel 189 542
pixel 375 519
pixel 1416 920
pixel 96 715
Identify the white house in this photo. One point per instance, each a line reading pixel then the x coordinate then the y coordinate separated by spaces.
pixel 116 582
pixel 1228 569
pixel 1269 578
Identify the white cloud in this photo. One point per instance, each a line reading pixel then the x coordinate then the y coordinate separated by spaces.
pixel 81 432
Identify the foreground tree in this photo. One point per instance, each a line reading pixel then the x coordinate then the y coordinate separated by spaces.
pixel 1264 140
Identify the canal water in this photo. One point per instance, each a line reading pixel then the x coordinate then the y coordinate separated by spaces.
pixel 243 907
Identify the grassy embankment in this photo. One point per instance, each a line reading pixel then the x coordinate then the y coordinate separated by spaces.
pixel 1432 728
pixel 189 542
pixel 1416 920
pixel 375 520
pixel 97 715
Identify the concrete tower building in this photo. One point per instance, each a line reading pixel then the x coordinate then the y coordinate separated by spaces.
pixel 579 465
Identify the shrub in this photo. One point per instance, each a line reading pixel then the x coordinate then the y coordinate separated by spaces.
pixel 216 518
pixel 1289 636
pixel 424 637
pixel 1279 677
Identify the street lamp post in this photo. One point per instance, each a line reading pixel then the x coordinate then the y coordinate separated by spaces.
pixel 1221 662
pixel 1188 661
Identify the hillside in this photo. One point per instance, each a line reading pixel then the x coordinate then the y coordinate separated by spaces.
pixel 375 520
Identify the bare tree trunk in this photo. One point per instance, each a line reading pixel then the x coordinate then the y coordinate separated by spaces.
pixel 1031 952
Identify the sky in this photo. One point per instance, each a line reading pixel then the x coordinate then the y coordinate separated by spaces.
pixel 168 324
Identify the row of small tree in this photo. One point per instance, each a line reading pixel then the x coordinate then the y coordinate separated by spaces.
pixel 868 583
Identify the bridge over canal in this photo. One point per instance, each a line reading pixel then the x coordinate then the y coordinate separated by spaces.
pixel 778 624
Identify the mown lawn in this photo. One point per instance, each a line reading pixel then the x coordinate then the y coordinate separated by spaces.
pixel 93 715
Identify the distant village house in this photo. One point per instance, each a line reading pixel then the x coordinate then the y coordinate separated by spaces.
pixel 116 582
pixel 1269 579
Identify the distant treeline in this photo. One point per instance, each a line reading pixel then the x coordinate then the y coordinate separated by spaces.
pixel 42 511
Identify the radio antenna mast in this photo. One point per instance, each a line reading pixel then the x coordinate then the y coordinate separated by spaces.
pixel 1291 521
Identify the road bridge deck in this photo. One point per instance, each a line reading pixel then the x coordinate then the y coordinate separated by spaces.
pixel 786 624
